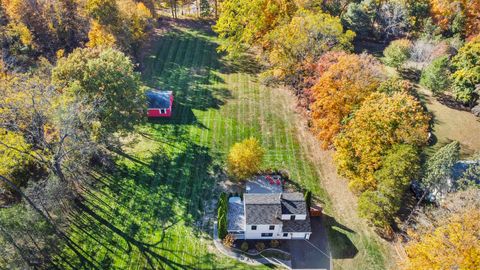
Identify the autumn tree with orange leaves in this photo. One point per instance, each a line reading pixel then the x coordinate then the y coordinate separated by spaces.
pixel 465 13
pixel 340 90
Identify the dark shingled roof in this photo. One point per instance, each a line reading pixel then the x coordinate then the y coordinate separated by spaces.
pixel 297 225
pixel 293 204
pixel 158 99
pixel 262 209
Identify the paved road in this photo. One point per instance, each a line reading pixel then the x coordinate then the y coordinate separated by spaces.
pixel 313 253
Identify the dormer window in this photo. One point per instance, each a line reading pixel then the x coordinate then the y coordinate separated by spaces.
pixel 292 217
pixel 254 227
pixel 272 227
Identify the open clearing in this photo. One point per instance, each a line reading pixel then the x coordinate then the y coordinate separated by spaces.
pixel 452 125
pixel 155 210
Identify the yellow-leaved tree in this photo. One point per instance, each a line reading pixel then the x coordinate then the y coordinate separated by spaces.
pixel 245 158
pixel 98 36
pixel 454 244
pixel 381 122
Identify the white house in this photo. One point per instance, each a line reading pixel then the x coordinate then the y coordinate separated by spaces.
pixel 271 214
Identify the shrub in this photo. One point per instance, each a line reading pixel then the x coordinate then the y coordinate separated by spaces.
pixel 397 53
pixel 308 198
pixel 244 246
pixel 274 243
pixel 260 246
pixel 228 240
pixel 436 75
pixel 222 215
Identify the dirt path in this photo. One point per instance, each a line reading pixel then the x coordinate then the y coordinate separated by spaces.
pixel 344 204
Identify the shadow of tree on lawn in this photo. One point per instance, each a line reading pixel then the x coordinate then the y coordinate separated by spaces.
pixel 342 247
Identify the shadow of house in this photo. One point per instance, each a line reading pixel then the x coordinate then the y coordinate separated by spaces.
pixel 343 247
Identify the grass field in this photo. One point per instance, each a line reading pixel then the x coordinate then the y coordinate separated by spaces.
pixel 155 210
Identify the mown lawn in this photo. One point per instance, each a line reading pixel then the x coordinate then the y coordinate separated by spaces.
pixel 155 209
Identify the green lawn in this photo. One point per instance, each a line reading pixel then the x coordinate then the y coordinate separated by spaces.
pixel 153 210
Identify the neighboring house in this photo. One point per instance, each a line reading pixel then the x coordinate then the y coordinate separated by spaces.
pixel 159 103
pixel 450 184
pixel 266 212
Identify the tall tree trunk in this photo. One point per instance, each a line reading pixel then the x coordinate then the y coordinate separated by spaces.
pixel 417 205
pixel 216 9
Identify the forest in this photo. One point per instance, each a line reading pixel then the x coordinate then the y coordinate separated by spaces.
pixel 364 73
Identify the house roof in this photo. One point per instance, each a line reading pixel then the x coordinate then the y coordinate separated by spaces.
pixel 297 225
pixel 263 208
pixel 236 214
pixel 293 203
pixel 263 213
pixel 158 99
pixel 262 198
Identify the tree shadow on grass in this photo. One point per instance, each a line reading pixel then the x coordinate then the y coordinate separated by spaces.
pixel 340 244
pixel 141 203
pixel 195 82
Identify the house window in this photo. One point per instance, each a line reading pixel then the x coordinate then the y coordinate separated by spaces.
pixel 254 227
pixel 272 227
pixel 163 111
pixel 292 217
pixel 285 234
pixel 267 234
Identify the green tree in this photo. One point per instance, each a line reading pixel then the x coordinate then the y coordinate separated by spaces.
pixel 105 81
pixel 466 78
pixel 245 158
pixel 397 52
pixel 439 167
pixel 436 76
pixel 222 212
pixel 204 8
pixel 359 18
pixel 399 166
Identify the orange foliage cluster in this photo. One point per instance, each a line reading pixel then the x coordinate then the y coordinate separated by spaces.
pixel 340 90
pixel 443 11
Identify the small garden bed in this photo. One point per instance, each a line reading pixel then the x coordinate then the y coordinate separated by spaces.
pixel 262 248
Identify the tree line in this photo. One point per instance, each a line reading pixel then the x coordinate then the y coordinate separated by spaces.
pixel 370 116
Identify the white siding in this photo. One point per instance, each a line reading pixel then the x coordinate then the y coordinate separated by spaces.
pixel 257 234
pixel 297 217
pixel 300 235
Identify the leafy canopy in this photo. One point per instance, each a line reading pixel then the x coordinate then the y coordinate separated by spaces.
pixel 397 52
pixel 454 244
pixel 399 166
pixel 436 76
pixel 247 23
pixel 105 81
pixel 381 122
pixel 339 91
pixel 245 158
pixel 307 36
pixel 466 78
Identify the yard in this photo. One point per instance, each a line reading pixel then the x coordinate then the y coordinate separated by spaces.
pixel 156 209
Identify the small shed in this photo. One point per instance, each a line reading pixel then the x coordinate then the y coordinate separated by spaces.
pixel 159 103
